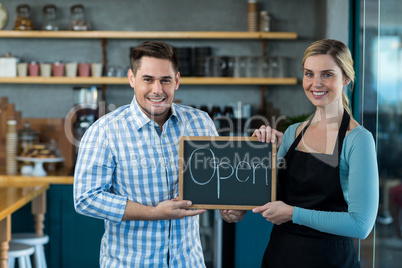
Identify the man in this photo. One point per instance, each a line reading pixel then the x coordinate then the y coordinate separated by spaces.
pixel 127 169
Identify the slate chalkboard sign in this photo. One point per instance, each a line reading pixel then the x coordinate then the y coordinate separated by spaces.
pixel 227 172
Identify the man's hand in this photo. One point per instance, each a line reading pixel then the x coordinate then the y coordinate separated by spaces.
pixel 165 210
pixel 174 209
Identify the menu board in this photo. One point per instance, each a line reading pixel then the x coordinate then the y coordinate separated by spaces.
pixel 227 172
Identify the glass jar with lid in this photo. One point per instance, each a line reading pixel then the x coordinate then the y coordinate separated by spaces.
pixel 77 21
pixel 27 137
pixel 23 22
pixel 50 22
pixel 265 21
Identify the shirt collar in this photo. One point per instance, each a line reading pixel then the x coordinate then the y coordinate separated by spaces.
pixel 141 119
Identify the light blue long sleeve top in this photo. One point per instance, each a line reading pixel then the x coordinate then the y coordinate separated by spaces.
pixel 359 182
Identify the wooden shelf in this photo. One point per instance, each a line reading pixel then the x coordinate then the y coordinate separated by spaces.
pixel 64 80
pixel 124 80
pixel 237 81
pixel 147 35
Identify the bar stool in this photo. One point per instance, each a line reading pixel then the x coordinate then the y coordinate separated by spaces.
pixel 20 252
pixel 35 240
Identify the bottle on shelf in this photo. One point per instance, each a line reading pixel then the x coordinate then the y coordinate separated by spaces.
pixel 227 122
pixel 78 22
pixel 216 115
pixel 50 22
pixel 204 108
pixel 23 22
pixel 265 21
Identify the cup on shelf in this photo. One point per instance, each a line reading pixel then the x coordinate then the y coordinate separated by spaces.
pixel 58 68
pixel 111 71
pixel 279 66
pixel 229 70
pixel 83 69
pixel 264 67
pixel 120 71
pixel 71 69
pixel 11 147
pixel 239 66
pixel 33 68
pixel 252 66
pixel 96 69
pixel 214 66
pixel 282 66
pixel 22 69
pixel 45 69
pixel 200 53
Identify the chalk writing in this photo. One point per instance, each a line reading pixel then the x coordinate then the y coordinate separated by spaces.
pixel 219 166
pixel 226 172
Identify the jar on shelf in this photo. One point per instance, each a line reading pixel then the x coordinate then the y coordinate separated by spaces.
pixel 265 21
pixel 77 21
pixel 23 22
pixel 50 22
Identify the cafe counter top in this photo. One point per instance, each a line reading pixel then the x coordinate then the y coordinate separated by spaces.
pixel 13 198
pixel 17 191
pixel 27 181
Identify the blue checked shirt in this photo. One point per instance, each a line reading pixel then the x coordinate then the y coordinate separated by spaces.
pixel 124 155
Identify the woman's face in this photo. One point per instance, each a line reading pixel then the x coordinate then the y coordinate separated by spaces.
pixel 323 80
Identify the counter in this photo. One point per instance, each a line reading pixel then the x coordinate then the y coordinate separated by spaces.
pixel 17 191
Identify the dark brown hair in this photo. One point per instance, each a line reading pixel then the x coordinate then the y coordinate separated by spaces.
pixel 153 49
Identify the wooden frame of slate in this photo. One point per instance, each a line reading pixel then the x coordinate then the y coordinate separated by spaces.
pixel 227 172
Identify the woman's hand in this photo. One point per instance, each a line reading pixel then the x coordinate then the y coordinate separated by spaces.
pixel 268 134
pixel 276 212
pixel 232 216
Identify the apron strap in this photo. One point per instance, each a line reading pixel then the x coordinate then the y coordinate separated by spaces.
pixel 342 130
pixel 341 135
pixel 298 138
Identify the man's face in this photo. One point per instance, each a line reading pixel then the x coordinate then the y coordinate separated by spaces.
pixel 154 85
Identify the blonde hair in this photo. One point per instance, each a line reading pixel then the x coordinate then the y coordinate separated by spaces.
pixel 342 56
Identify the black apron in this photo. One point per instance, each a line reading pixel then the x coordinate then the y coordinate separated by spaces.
pixel 310 181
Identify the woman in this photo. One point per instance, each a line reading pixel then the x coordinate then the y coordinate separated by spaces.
pixel 328 188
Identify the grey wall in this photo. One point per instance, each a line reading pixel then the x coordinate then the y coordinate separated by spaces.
pixel 310 19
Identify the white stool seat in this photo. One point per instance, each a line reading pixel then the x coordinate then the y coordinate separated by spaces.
pixel 20 252
pixel 35 240
pixel 30 238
